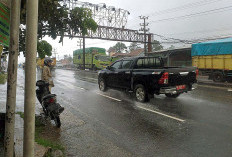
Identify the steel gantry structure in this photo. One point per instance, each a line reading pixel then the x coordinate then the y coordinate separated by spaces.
pixel 111 23
pixel 116 34
pixel 102 14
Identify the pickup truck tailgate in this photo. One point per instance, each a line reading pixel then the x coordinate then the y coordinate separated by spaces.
pixel 181 76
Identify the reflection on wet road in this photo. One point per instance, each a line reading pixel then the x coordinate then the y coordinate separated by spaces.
pixel 114 124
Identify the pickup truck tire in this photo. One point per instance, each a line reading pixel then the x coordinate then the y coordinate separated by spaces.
pixel 172 95
pixel 218 77
pixel 102 85
pixel 141 93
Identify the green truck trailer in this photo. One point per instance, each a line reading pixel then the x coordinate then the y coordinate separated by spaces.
pixel 95 58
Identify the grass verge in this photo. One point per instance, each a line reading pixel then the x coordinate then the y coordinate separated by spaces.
pixel 3 78
pixel 39 139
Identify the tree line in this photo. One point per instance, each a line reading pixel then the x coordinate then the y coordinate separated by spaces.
pixel 120 47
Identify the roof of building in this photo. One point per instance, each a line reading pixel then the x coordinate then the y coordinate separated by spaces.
pixel 136 52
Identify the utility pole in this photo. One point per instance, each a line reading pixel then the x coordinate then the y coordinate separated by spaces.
pixel 144 24
pixel 12 78
pixel 80 41
pixel 54 52
pixel 30 78
pixel 83 52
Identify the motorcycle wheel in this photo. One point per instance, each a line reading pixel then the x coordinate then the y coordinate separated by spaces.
pixel 57 121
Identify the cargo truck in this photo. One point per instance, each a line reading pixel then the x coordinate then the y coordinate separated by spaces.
pixel 214 58
pixel 95 58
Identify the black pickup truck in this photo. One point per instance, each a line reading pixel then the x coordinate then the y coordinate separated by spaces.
pixel 146 76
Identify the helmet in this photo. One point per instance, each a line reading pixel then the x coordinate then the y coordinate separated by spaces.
pixel 47 60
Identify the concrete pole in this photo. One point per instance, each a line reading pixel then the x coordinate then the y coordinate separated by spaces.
pixel 145 40
pixel 12 78
pixel 84 52
pixel 30 78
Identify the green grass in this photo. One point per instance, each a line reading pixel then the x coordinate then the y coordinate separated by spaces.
pixel 3 78
pixel 21 114
pixel 39 128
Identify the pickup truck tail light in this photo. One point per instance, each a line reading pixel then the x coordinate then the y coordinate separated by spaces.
pixel 164 78
pixel 197 73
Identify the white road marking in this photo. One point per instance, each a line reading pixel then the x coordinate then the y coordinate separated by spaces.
pixel 178 119
pixel 109 97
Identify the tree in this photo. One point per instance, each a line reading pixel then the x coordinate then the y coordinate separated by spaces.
pixel 133 46
pixel 171 47
pixel 81 21
pixel 119 47
pixel 156 45
pixel 55 20
pixel 44 49
pixel 111 49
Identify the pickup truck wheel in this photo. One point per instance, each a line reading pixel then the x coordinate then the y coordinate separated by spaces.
pixel 218 77
pixel 140 93
pixel 172 95
pixel 102 85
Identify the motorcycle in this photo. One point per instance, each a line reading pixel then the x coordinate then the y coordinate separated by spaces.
pixel 51 108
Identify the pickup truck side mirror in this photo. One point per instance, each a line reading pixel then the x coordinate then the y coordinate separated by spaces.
pixel 108 67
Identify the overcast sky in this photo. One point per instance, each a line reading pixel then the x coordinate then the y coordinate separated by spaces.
pixel 180 19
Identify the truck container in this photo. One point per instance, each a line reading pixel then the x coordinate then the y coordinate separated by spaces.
pixel 214 58
pixel 95 58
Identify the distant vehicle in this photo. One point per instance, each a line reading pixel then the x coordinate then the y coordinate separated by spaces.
pixel 146 76
pixel 95 58
pixel 59 65
pixel 214 58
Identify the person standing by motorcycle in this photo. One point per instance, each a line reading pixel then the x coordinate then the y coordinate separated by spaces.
pixel 46 73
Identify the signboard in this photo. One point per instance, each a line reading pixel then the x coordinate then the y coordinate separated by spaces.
pixel 4 25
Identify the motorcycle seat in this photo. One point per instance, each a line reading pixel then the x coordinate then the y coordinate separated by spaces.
pixel 49 96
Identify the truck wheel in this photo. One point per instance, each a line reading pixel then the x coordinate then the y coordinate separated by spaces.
pixel 172 95
pixel 102 85
pixel 218 77
pixel 140 93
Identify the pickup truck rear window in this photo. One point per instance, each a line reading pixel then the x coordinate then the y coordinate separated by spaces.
pixel 148 63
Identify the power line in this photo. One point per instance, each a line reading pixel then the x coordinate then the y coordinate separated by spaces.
pixel 183 7
pixel 171 39
pixel 195 14
pixel 203 31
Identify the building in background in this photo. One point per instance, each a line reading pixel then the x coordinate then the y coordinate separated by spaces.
pixel 175 57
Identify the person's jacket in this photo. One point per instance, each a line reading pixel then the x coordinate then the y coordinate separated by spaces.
pixel 46 74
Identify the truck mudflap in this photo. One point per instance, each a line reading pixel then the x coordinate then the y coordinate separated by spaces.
pixel 177 89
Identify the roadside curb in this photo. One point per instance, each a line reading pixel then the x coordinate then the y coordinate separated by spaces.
pixel 227 85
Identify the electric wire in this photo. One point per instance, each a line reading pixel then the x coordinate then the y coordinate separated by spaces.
pixel 183 7
pixel 223 9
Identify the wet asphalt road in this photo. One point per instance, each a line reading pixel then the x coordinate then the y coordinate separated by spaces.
pixel 196 124
pixel 113 124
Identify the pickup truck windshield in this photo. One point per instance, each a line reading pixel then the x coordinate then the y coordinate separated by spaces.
pixel 148 63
